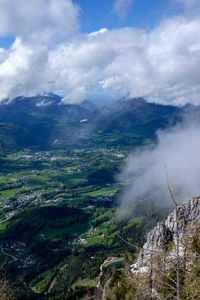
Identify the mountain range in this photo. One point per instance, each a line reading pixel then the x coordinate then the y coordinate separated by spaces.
pixel 46 122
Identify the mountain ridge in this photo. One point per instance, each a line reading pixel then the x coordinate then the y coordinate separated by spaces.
pixel 127 122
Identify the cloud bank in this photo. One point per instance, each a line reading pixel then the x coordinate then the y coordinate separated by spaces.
pixel 39 21
pixel 121 7
pixel 179 149
pixel 51 55
pixel 188 4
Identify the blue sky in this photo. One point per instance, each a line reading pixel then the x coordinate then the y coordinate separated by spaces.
pixel 142 13
pixel 97 14
pixel 6 41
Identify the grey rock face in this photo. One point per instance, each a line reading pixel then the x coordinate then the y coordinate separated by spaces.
pixel 164 232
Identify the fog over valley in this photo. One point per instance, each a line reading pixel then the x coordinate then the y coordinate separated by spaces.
pixel 178 148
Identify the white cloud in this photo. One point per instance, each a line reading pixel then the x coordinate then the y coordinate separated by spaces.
pixel 188 3
pixel 179 149
pixel 22 72
pixel 101 31
pixel 191 7
pixel 121 7
pixel 162 65
pixel 38 21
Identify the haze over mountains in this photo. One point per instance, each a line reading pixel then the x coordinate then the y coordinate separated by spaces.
pixel 44 121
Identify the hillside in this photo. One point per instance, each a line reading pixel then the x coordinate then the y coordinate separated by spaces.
pixel 44 122
pixel 60 230
pixel 43 119
pixel 153 275
pixel 134 122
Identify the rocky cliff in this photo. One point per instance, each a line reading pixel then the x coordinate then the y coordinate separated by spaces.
pixel 159 238
pixel 155 272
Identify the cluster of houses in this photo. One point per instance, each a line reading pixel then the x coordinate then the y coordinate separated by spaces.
pixel 21 180
pixel 82 241
pixel 16 252
pixel 90 232
pixel 25 199
pixel 38 156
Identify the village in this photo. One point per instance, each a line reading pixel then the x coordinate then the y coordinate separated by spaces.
pixel 88 235
pixel 16 252
pixel 31 178
pixel 54 178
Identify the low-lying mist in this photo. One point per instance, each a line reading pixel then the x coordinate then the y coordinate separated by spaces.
pixel 179 148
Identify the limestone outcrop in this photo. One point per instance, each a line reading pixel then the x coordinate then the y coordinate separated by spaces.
pixel 164 232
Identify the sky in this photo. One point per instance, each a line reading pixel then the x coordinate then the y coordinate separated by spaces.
pixel 110 48
pixel 114 14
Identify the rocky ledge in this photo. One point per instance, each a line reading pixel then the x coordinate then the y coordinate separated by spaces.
pixel 164 232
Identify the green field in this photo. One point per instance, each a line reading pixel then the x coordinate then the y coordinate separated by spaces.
pixel 105 191
pixel 72 230
pixel 93 241
pixel 3 226
pixel 8 193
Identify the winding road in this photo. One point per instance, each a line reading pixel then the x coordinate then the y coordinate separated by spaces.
pixel 13 257
pixel 54 277
pixel 80 236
